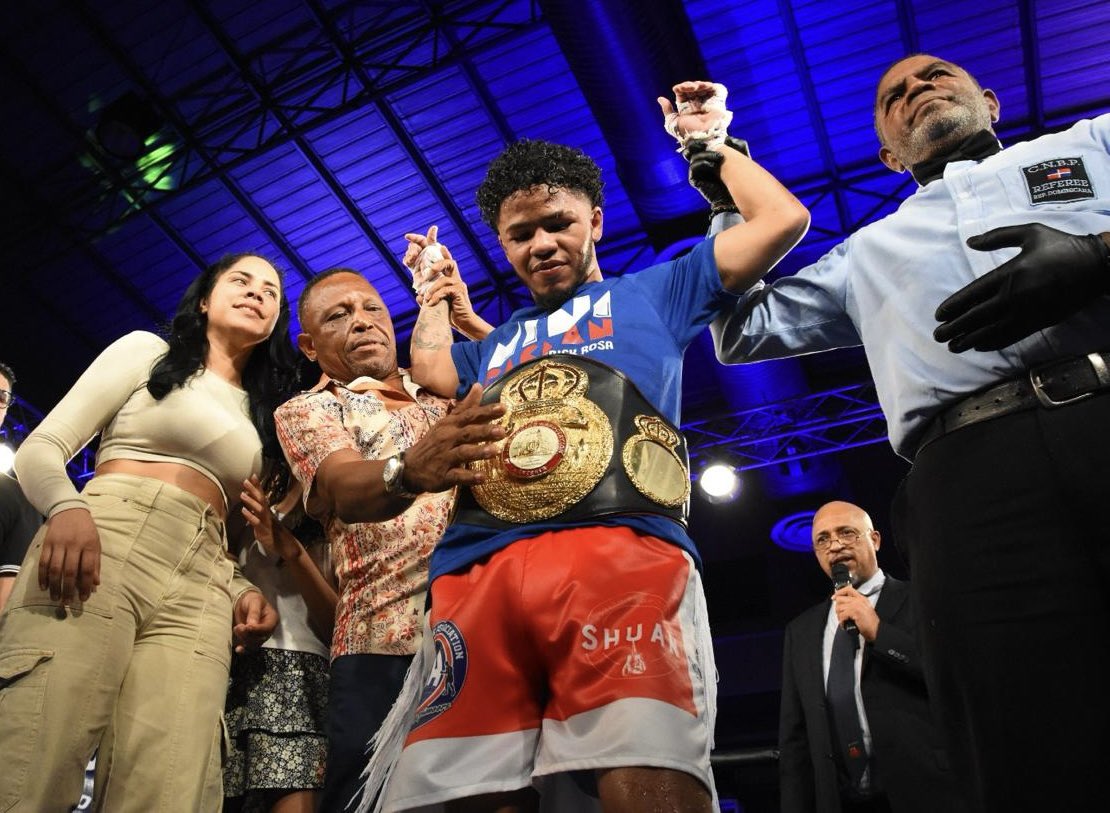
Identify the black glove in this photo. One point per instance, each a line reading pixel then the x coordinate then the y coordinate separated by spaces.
pixel 705 173
pixel 1055 275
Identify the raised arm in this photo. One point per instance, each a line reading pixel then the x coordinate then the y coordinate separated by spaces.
pixel 444 304
pixel 774 220
pixel 430 351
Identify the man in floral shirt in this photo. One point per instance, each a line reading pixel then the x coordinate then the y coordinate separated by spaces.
pixel 378 457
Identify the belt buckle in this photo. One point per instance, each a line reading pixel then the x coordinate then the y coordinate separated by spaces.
pixel 1102 374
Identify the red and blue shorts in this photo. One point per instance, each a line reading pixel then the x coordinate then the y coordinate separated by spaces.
pixel 574 650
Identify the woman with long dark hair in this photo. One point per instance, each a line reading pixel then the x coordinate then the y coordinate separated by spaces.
pixel 118 632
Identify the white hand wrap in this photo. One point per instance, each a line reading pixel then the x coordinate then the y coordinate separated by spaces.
pixel 422 274
pixel 715 116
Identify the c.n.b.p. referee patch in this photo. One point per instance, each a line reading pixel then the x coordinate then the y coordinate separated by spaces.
pixel 1060 180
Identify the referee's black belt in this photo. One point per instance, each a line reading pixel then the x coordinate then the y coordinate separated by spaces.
pixel 1048 386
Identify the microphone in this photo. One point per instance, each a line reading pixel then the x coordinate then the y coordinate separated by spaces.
pixel 841 578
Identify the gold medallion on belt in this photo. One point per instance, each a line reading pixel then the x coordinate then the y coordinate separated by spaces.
pixel 558 446
pixel 652 462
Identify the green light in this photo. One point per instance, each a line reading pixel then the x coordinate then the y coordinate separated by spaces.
pixel 155 167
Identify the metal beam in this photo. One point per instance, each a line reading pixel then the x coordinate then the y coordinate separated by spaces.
pixel 794 429
pixel 813 106
pixel 1031 62
pixel 907 27
pixel 477 86
pixel 346 54
pixel 48 214
pixel 322 170
pixel 103 164
pixel 225 120
pixel 169 113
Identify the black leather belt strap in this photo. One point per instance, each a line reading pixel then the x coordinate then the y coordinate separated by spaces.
pixel 1049 386
pixel 621 401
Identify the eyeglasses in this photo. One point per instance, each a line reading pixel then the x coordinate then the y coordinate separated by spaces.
pixel 5 397
pixel 847 536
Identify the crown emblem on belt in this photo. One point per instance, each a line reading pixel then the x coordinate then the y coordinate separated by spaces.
pixel 558 446
pixel 543 383
pixel 653 464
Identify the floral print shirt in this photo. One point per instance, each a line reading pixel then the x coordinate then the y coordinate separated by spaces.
pixel 381 567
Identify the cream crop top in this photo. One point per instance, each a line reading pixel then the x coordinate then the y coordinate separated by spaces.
pixel 204 424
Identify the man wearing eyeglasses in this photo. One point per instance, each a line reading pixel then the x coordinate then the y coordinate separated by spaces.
pixel 855 732
pixel 18 520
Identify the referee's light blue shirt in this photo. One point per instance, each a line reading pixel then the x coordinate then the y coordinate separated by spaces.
pixel 881 286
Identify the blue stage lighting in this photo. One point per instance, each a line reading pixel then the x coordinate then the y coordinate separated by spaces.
pixel 794 532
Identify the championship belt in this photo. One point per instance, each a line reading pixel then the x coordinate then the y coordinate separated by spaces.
pixel 581 442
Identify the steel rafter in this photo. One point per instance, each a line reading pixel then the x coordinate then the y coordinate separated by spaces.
pixel 510 298
pixel 345 53
pixel 46 215
pixel 105 166
pixel 812 194
pixel 136 75
pixel 813 106
pixel 794 429
pixel 307 152
pixel 477 86
pixel 107 184
pixel 907 27
pixel 1031 60
pixel 232 130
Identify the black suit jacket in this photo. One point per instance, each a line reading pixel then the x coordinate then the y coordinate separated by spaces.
pixel 910 760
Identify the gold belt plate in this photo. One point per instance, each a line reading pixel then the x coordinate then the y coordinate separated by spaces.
pixel 558 446
pixel 653 464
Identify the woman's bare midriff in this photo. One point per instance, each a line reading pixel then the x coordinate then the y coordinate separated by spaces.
pixel 178 474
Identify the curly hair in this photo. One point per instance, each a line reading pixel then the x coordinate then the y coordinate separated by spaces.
pixel 528 163
pixel 270 376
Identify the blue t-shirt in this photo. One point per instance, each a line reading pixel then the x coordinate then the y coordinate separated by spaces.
pixel 640 324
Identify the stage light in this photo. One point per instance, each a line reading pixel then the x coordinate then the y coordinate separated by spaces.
pixel 719 483
pixel 126 125
pixel 7 457
pixel 156 166
pixel 794 532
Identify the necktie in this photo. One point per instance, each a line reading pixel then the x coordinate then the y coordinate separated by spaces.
pixel 841 692
pixel 973 148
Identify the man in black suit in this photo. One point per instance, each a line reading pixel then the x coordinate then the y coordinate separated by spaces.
pixel 855 733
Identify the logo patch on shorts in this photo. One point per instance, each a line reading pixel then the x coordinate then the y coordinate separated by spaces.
pixel 1060 180
pixel 630 636
pixel 448 673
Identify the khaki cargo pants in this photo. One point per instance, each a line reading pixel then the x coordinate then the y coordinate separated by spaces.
pixel 140 669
